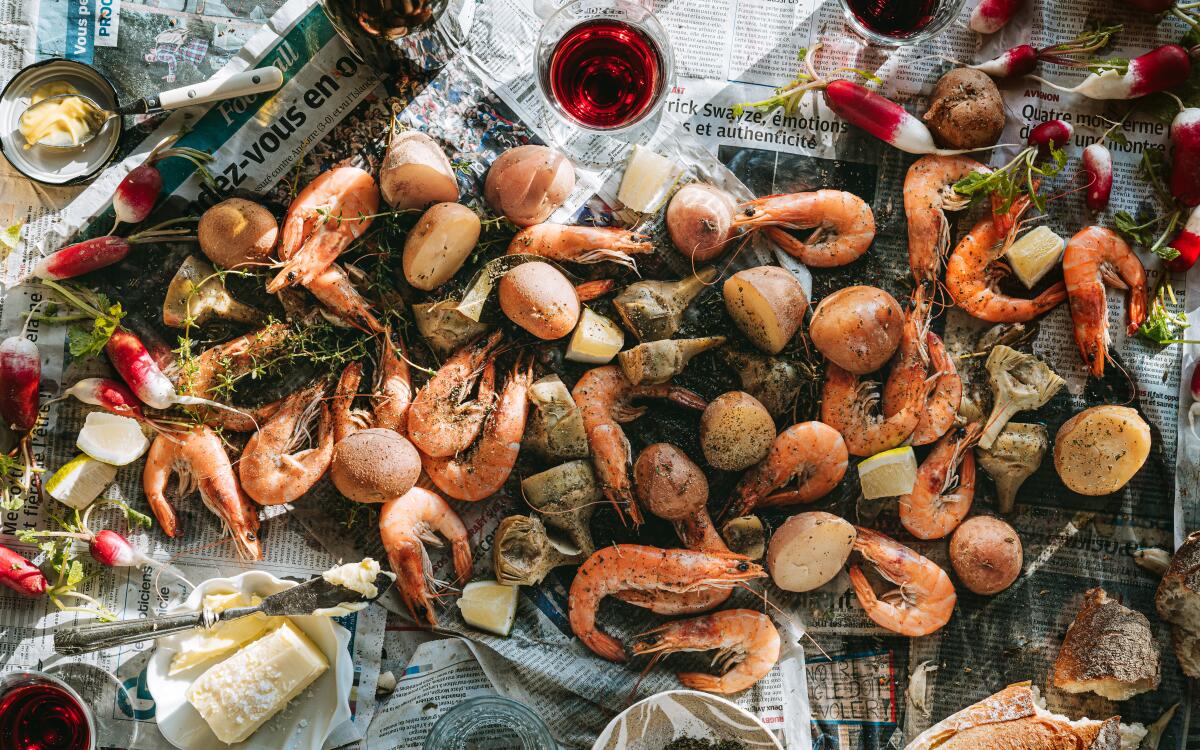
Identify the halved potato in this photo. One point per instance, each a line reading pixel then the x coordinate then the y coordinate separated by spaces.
pixel 809 549
pixel 439 245
pixel 767 303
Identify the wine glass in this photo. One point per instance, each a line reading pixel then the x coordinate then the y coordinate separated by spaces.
pixel 892 23
pixel 62 709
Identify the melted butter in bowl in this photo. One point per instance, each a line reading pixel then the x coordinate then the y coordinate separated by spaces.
pixel 58 116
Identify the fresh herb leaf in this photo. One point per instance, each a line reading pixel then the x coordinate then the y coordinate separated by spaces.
pixel 1163 325
pixel 10 237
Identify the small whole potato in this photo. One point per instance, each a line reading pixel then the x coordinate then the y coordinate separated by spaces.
pixel 857 328
pixel 439 244
pixel 700 220
pixel 986 554
pixel 374 466
pixel 1097 451
pixel 525 184
pixel 237 231
pixel 668 483
pixel 736 431
pixel 537 297
pixel 416 172
pixel 809 550
pixel 966 110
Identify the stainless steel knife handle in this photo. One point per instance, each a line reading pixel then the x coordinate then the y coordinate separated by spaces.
pixel 82 639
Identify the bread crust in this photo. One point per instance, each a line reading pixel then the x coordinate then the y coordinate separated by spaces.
pixel 1178 602
pixel 1012 720
pixel 1108 650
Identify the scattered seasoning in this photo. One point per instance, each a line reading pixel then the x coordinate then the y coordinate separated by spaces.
pixel 691 743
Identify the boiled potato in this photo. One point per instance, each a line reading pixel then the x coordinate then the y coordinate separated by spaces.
pixel 809 550
pixel 767 303
pixel 736 431
pixel 525 184
pixel 439 244
pixel 986 554
pixel 857 328
pixel 966 110
pixel 668 483
pixel 374 466
pixel 236 231
pixel 416 172
pixel 700 220
pixel 1097 451
pixel 537 297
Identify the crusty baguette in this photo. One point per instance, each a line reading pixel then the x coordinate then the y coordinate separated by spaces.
pixel 1012 720
pixel 1178 602
pixel 1108 650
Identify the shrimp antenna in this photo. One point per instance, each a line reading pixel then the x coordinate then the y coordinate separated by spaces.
pixel 1128 378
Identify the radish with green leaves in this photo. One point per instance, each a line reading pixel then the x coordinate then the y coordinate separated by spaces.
pixel 153 388
pixel 1160 69
pixel 1185 156
pixel 1024 58
pixel 1097 166
pixel 1187 244
pixel 99 252
pixel 1042 158
pixel 139 190
pixel 992 15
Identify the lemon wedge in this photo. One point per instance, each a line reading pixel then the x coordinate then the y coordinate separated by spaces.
pixel 112 439
pixel 1034 254
pixel 80 481
pixel 489 606
pixel 889 473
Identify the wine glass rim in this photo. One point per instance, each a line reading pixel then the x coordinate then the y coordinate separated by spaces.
pixel 933 28
pixel 656 32
pixel 61 684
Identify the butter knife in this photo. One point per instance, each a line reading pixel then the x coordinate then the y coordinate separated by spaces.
pixel 305 599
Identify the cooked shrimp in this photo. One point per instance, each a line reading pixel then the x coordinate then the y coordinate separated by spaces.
pixel 199 458
pixel 443 420
pixel 406 525
pixel 346 419
pixel 971 279
pixel 579 244
pixel 329 213
pixel 333 289
pixel 812 453
pixel 941 409
pixel 920 356
pixel 625 567
pixel 747 646
pixel 604 396
pixel 842 223
pixel 910 363
pixel 482 470
pixel 1094 257
pixel 271 473
pixel 924 599
pixel 945 487
pixel 928 195
pixel 230 361
pixel 392 394
pixel 848 406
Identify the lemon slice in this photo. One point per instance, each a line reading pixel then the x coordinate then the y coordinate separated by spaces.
pixel 489 606
pixel 889 473
pixel 112 439
pixel 647 176
pixel 1034 254
pixel 80 481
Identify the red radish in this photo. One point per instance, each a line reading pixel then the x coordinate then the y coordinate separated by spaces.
pixel 1097 165
pixel 1194 409
pixel 1023 59
pixel 1187 242
pixel 881 117
pixel 109 395
pixel 1050 135
pixel 20 575
pixel 98 252
pixel 139 190
pixel 991 15
pixel 111 549
pixel 1018 61
pixel 1157 70
pixel 135 365
pixel 1185 156
pixel 20 379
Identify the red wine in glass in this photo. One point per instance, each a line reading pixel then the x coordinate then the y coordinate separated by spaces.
pixel 897 18
pixel 605 73
pixel 42 716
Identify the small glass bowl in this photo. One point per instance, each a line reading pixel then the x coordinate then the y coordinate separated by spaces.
pixel 945 14
pixel 490 722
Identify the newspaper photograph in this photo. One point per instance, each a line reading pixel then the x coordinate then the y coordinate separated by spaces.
pixel 842 681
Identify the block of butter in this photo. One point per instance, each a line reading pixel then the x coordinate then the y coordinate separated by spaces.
pixel 242 693
pixel 207 645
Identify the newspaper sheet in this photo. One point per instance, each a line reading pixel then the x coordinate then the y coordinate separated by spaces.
pixel 852 690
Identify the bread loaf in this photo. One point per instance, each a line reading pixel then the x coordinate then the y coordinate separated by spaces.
pixel 1109 650
pixel 1178 602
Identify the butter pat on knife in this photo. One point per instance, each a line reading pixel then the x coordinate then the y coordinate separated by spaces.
pixel 242 693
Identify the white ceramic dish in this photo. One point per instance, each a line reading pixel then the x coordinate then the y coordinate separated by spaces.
pixel 303 725
pixel 658 720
